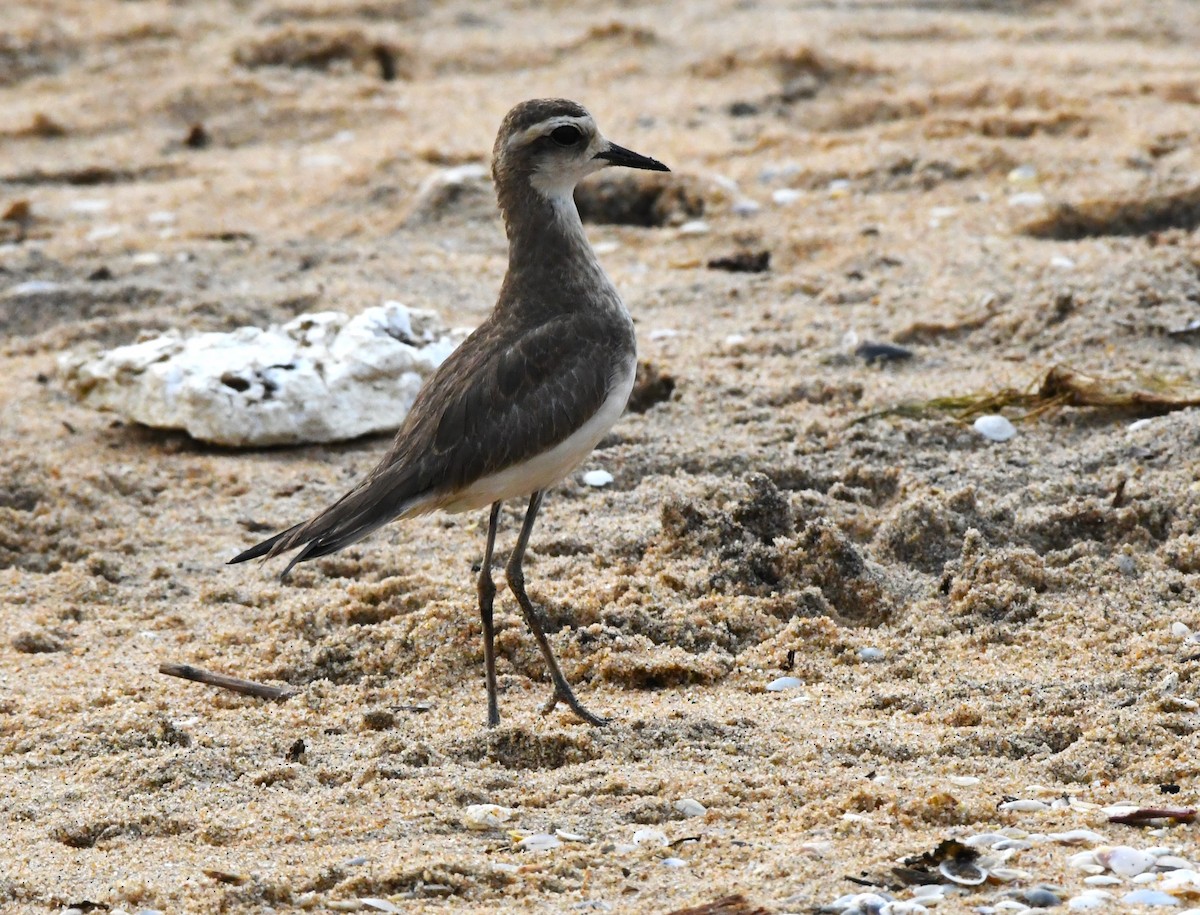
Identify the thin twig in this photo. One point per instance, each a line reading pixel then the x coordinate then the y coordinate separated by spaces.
pixel 224 681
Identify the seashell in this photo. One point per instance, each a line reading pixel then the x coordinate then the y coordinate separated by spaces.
pixel 1123 860
pixel 649 837
pixel 1082 860
pixel 1089 899
pixel 963 781
pixel 480 817
pixel 964 873
pixel 1076 837
pixel 1149 897
pixel 1008 874
pixel 1185 879
pixel 984 839
pixel 690 807
pixel 1023 806
pixel 540 841
pixel 782 683
pixel 1102 880
pixel 1007 844
pixel 674 862
pixel 597 478
pixel 378 904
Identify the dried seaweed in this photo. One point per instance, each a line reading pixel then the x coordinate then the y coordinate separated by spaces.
pixel 1060 387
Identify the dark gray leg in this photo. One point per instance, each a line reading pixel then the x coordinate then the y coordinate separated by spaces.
pixel 516 583
pixel 487 594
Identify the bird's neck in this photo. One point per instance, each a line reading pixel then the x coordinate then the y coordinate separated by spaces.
pixel 550 261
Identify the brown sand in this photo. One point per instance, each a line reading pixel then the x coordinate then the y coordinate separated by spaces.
pixel 1021 594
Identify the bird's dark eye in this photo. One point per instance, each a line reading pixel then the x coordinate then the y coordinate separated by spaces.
pixel 566 135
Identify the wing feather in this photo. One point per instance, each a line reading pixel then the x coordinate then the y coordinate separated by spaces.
pixel 495 402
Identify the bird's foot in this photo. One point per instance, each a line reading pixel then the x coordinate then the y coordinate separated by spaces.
pixel 568 699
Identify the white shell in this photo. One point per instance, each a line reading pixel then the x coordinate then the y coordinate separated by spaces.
pixel 597 478
pixel 1076 837
pixel 1149 897
pixel 481 817
pixel 1124 861
pixel 649 837
pixel 782 683
pixel 690 807
pixel 995 427
pixel 541 841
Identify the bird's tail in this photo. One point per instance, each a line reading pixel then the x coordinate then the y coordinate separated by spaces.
pixel 353 517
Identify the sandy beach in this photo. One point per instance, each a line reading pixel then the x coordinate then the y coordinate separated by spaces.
pixel 966 637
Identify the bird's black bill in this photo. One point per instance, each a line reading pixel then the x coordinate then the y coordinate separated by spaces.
pixel 619 155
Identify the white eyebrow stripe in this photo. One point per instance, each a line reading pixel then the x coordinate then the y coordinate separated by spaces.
pixel 540 129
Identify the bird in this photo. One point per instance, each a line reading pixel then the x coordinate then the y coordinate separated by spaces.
pixel 526 396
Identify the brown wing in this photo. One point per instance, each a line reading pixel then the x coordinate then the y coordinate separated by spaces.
pixel 493 403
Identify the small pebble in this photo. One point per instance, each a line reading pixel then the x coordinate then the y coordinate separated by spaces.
pixel 745 207
pixel 1027 199
pixel 786 195
pixel 882 352
pixel 674 862
pixel 1022 174
pixel 782 683
pixel 1180 630
pixel 321 160
pixel 694 227
pixel 34 287
pixel 963 781
pixel 1062 263
pixel 1024 806
pixel 1040 897
pixel 90 205
pixel 102 232
pixel 1102 880
pixel 870 655
pixel 597 478
pixel 994 428
pixel 690 807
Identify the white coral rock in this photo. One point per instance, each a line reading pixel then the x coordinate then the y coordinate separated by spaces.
pixel 321 377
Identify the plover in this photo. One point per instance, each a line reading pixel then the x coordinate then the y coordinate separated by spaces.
pixel 528 394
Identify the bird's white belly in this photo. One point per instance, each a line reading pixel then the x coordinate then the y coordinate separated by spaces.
pixel 550 466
